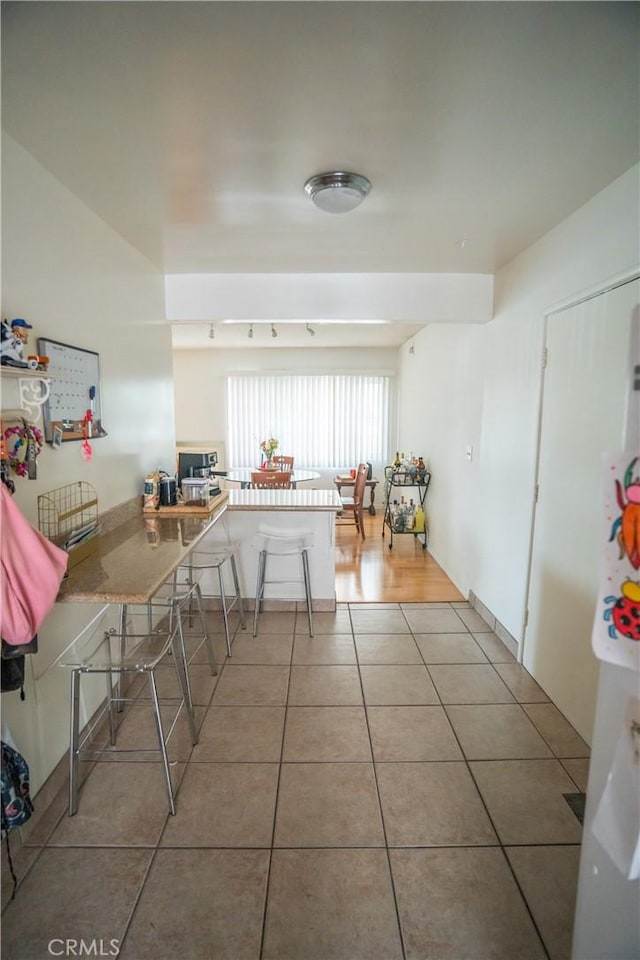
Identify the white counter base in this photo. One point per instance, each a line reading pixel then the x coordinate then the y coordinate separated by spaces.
pixel 289 512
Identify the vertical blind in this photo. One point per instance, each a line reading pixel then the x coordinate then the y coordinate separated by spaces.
pixel 324 421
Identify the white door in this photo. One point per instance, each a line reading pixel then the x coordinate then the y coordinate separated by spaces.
pixel 583 413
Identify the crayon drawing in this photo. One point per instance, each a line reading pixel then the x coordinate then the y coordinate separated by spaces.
pixel 616 629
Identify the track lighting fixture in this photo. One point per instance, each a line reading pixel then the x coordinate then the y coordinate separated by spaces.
pixel 274 332
pixel 212 332
pixel 310 330
pixel 250 334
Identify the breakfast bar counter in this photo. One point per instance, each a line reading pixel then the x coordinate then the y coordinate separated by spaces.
pixel 291 513
pixel 133 558
pixel 136 556
pixel 298 501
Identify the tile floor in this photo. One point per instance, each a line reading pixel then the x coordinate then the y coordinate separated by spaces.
pixel 390 788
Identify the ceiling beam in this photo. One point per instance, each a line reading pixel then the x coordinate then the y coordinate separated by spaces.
pixel 391 297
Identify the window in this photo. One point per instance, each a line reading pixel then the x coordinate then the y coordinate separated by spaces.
pixel 325 421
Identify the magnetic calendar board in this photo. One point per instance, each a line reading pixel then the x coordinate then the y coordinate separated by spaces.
pixel 74 372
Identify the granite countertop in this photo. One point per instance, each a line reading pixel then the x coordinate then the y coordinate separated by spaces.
pixel 134 557
pixel 284 500
pixel 136 553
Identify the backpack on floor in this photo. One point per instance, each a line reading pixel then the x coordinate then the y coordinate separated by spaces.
pixel 16 800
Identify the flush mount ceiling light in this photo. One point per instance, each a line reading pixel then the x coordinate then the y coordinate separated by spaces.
pixel 337 192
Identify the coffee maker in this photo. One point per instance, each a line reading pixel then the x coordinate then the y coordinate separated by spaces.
pixel 199 465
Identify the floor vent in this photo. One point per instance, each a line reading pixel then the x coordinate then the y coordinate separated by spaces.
pixel 576 801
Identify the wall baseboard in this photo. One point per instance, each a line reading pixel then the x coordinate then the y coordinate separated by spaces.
pixel 326 605
pixel 500 631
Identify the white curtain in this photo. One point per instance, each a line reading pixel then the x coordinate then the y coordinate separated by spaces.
pixel 324 421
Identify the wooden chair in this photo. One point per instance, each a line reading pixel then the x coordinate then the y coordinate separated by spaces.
pixel 266 480
pixel 283 463
pixel 355 504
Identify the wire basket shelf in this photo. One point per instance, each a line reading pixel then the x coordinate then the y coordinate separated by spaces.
pixel 68 516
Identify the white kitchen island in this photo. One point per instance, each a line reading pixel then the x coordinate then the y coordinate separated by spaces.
pixel 289 512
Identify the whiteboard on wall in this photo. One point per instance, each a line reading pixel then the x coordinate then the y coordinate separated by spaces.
pixel 75 375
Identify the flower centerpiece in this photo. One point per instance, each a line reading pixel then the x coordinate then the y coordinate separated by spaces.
pixel 268 448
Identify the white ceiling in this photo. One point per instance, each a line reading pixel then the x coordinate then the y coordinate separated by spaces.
pixel 191 127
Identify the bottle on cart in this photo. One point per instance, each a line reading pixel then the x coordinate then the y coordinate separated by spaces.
pixel 419 523
pixel 411 516
pixel 396 462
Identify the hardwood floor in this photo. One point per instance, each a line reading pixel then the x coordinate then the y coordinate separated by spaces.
pixel 368 572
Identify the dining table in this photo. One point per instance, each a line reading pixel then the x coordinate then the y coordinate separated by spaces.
pixel 242 475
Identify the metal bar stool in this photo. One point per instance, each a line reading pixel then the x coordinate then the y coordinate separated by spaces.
pixel 178 598
pixel 171 601
pixel 275 544
pixel 202 560
pixel 116 655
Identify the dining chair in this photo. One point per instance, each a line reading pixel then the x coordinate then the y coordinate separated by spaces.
pixel 283 463
pixel 262 480
pixel 354 505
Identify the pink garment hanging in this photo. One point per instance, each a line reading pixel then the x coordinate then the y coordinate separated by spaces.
pixel 32 569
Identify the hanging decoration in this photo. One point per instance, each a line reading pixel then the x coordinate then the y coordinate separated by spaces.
pixel 23 445
pixel 87 449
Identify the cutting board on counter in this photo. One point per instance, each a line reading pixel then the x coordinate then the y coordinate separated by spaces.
pixel 184 510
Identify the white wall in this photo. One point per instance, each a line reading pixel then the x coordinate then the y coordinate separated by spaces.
pixel 440 407
pixel 594 245
pixel 78 282
pixel 202 375
pixel 481 386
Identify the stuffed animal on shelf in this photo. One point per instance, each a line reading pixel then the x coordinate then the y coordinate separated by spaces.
pixel 13 340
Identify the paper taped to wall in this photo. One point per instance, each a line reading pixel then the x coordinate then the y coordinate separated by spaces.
pixel 615 824
pixel 616 629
